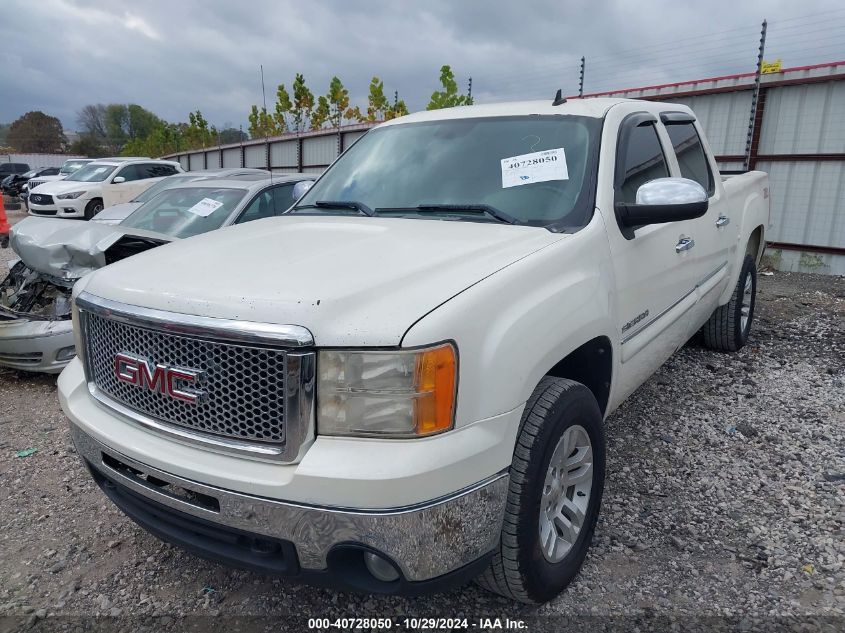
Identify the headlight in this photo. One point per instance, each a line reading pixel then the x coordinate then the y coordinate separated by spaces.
pixel 73 195
pixel 402 394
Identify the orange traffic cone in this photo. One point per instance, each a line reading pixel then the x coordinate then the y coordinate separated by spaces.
pixel 4 225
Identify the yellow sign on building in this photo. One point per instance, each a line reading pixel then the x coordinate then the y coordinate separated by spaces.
pixel 767 68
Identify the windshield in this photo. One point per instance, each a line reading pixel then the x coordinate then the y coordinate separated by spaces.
pixel 71 166
pixel 92 173
pixel 534 170
pixel 171 181
pixel 186 211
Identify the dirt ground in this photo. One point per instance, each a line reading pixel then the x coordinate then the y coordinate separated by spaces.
pixel 724 507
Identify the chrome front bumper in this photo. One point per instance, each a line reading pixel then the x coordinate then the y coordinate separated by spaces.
pixel 35 345
pixel 425 541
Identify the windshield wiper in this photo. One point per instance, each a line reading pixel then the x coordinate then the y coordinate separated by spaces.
pixel 493 212
pixel 339 204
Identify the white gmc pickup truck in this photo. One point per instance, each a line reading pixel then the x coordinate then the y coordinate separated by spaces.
pixel 400 384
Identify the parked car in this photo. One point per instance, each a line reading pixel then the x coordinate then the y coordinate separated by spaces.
pixel 36 333
pixel 80 195
pixel 400 384
pixel 18 182
pixel 115 214
pixel 70 166
pixel 8 169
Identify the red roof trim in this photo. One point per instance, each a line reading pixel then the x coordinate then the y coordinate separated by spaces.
pixel 710 79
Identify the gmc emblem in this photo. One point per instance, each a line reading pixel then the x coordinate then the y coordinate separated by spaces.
pixel 158 378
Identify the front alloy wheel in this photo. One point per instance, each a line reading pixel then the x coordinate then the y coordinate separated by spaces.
pixel 566 493
pixel 556 483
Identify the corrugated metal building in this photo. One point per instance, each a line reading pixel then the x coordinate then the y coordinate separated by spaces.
pixel 38 160
pixel 798 138
pixel 308 152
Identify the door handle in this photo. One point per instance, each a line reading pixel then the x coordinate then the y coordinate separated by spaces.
pixel 684 244
pixel 723 220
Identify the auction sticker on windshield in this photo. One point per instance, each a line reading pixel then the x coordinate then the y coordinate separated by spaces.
pixel 542 166
pixel 205 207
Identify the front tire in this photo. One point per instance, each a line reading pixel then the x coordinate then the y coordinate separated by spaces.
pixel 93 208
pixel 729 326
pixel 556 485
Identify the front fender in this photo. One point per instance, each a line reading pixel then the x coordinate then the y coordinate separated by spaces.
pixel 514 326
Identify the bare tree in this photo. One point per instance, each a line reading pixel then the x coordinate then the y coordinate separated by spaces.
pixel 92 121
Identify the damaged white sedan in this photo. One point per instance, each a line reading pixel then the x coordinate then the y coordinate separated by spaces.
pixel 36 333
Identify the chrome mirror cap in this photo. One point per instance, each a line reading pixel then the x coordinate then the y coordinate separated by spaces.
pixel 666 191
pixel 301 187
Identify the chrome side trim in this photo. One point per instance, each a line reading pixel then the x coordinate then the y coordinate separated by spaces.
pixel 425 540
pixel 198 326
pixel 711 275
pixel 657 317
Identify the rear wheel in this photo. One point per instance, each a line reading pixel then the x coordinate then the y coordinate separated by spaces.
pixel 729 326
pixel 556 484
pixel 93 208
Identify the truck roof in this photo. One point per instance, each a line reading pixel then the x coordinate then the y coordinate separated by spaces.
pixel 593 107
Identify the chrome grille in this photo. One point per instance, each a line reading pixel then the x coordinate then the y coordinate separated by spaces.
pixel 243 385
pixel 32 183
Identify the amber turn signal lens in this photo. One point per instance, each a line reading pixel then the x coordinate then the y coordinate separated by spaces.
pixel 436 375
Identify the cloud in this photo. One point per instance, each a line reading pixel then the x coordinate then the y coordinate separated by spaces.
pixel 175 57
pixel 134 23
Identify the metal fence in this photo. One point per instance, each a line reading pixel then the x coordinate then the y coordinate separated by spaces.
pixel 307 152
pixel 798 137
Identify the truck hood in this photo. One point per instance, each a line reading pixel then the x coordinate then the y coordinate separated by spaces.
pixel 351 281
pixel 70 249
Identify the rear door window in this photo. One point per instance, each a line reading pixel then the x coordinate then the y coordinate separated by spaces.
pixel 157 170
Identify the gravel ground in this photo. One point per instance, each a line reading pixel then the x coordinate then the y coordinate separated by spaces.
pixel 724 508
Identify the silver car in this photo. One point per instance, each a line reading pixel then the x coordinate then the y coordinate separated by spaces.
pixel 36 333
pixel 115 214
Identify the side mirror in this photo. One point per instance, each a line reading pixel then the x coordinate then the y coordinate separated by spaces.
pixel 118 179
pixel 664 200
pixel 300 188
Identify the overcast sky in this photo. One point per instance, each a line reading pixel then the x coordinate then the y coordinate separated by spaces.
pixel 174 56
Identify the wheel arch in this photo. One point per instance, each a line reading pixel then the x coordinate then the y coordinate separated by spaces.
pixel 755 245
pixel 590 364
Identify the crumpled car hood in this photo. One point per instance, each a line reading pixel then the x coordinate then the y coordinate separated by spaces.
pixel 70 249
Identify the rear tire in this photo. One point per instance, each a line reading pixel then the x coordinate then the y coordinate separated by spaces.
pixel 557 471
pixel 93 208
pixel 729 326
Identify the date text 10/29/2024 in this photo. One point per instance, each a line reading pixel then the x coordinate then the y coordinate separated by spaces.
pixel 417 624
